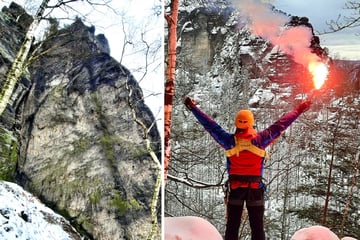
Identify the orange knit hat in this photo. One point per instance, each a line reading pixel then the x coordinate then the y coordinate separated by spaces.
pixel 244 119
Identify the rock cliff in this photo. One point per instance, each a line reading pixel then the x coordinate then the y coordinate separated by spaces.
pixel 70 135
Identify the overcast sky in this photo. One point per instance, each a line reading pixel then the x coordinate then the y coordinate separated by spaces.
pixel 345 44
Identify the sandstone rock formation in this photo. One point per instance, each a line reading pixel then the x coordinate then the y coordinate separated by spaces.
pixel 71 132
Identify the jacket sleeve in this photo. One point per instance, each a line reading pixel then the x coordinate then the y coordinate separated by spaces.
pixel 271 133
pixel 222 137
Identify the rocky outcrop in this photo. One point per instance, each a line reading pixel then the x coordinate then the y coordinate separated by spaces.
pixel 80 149
pixel 219 36
pixel 202 31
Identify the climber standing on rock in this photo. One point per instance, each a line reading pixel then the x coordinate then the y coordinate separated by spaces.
pixel 245 156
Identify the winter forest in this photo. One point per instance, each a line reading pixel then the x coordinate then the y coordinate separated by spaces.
pixel 226 64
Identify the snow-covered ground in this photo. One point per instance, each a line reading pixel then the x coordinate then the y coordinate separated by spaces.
pixel 23 216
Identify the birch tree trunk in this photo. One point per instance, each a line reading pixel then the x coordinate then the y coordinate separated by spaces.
pixel 170 79
pixel 331 166
pixel 157 187
pixel 18 66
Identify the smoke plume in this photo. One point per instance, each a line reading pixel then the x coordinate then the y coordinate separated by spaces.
pixel 270 25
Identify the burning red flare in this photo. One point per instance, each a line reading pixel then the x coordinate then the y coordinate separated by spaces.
pixel 319 71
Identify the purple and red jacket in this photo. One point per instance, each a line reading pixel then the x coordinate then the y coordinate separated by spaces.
pixel 245 163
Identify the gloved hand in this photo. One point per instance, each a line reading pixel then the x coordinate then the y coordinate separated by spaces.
pixel 304 106
pixel 189 103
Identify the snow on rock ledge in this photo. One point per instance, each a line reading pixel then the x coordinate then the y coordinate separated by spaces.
pixel 23 216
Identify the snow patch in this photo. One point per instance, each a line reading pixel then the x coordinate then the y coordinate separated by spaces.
pixel 23 216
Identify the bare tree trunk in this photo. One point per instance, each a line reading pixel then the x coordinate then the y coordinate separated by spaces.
pixel 170 79
pixel 17 68
pixel 351 191
pixel 327 199
pixel 284 224
pixel 157 187
pixel 328 185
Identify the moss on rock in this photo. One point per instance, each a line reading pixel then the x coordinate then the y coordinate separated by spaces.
pixel 8 155
pixel 122 205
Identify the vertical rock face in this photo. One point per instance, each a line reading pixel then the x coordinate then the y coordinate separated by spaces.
pixel 200 35
pixel 81 150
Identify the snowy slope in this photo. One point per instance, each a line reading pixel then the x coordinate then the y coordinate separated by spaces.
pixel 23 216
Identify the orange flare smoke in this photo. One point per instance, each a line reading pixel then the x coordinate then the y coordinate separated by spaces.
pixel 319 72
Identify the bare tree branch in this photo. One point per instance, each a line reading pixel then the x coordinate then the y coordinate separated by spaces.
pixel 195 183
pixel 344 22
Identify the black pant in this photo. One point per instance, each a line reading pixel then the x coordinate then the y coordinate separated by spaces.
pixel 254 199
